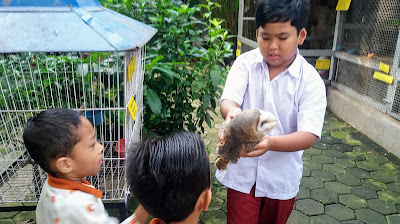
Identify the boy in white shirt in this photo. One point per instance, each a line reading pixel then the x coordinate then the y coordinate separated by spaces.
pixel 65 146
pixel 274 78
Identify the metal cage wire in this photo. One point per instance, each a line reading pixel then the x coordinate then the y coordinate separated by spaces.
pixel 372 27
pixel 371 36
pixel 96 84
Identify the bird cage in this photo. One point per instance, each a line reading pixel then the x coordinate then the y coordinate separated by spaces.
pixel 73 54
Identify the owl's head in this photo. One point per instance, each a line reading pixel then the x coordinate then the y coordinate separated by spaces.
pixel 266 121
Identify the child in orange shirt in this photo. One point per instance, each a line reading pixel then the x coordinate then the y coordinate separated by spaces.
pixel 170 177
pixel 65 146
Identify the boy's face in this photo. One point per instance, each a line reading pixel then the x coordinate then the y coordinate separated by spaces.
pixel 278 43
pixel 87 155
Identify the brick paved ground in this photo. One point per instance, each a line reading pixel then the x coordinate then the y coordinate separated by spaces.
pixel 347 178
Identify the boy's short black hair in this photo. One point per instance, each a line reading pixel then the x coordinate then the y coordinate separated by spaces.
pixel 168 174
pixel 50 135
pixel 274 11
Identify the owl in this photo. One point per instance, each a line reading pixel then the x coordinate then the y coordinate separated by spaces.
pixel 242 133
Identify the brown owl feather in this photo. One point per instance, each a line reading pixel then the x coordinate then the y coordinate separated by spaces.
pixel 242 134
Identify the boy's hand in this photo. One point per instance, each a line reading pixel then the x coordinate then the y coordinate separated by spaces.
pixel 261 148
pixel 231 114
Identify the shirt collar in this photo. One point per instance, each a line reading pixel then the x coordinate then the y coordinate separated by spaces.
pixel 71 185
pixel 294 68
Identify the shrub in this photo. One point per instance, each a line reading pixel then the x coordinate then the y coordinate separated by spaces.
pixel 185 66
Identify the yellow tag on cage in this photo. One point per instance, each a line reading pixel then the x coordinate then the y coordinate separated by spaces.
pixel 239 44
pixel 131 68
pixel 343 5
pixel 323 64
pixel 132 107
pixel 384 67
pixel 238 52
pixel 383 77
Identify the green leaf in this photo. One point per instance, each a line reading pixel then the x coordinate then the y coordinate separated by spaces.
pixel 215 76
pixel 206 100
pixel 153 62
pixel 154 101
pixel 200 84
pixel 168 72
pixel 208 120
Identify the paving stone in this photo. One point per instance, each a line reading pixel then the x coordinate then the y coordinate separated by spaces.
pixel 352 201
pixel 354 156
pixel 213 217
pixel 312 151
pixel 24 215
pixel 348 179
pixel 332 153
pixel 381 206
pixel 350 141
pixel 339 134
pixel 330 140
pixel 394 187
pixel 297 217
pixel 311 183
pixel 306 172
pixel 333 168
pixel 342 148
pixel 393 219
pixel 323 175
pixel 367 146
pixel 337 187
pixel 360 173
pixel 389 196
pixel 216 204
pixel 324 196
pixel 373 184
pixel 220 193
pixel 6 215
pixel 12 204
pixel 322 159
pixel 339 212
pixel 303 193
pixel 370 216
pixel 383 176
pixel 352 222
pixel 322 145
pixel 367 165
pixel 344 162
pixel 376 158
pixel 306 157
pixel 309 207
pixel 364 192
pixel 390 167
pixel 312 165
pixel 325 219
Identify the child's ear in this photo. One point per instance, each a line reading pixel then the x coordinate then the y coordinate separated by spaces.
pixel 204 200
pixel 302 36
pixel 63 165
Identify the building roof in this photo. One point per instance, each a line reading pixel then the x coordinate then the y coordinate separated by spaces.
pixel 67 25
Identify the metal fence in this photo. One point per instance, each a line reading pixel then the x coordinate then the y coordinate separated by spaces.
pixel 367 35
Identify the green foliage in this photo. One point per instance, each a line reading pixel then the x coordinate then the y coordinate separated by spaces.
pixel 185 65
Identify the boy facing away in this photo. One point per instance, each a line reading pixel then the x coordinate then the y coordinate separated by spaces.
pixel 170 177
pixel 274 78
pixel 65 146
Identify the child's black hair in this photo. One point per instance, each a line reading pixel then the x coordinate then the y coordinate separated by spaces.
pixel 274 11
pixel 168 174
pixel 50 135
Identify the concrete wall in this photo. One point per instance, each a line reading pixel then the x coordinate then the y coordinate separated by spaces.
pixel 381 128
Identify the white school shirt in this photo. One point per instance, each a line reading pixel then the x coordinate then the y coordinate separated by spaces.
pixel 66 202
pixel 297 98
